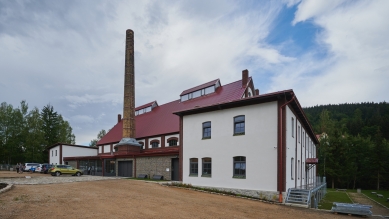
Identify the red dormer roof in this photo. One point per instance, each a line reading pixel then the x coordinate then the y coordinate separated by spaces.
pixel 161 119
pixel 146 105
pixel 208 84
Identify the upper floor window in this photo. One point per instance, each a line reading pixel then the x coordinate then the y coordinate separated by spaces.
pixel 240 167
pixel 298 133
pixel 292 127
pixel 154 144
pixel 141 143
pixel 194 167
pixel 173 141
pixel 207 130
pixel 239 125
pixel 207 167
pixel 55 152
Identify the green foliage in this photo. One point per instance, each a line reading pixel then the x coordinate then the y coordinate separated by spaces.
pixel 334 196
pixel 354 151
pixel 100 135
pixel 25 135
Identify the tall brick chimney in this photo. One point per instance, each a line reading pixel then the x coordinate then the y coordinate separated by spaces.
pixel 245 77
pixel 129 88
pixel 128 141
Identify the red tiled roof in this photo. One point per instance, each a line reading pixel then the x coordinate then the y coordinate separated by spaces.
pixel 161 119
pixel 199 87
pixel 146 105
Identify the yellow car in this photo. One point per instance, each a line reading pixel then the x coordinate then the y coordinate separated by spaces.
pixel 57 170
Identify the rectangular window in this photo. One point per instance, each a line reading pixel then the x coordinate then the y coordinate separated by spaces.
pixel 196 94
pixel 298 169
pixel 292 168
pixel 194 167
pixel 52 153
pixel 55 152
pixel 207 167
pixel 209 90
pixel 184 97
pixel 303 176
pixel 206 130
pixel 293 127
pixel 302 142
pixel 239 125
pixel 239 167
pixel 298 134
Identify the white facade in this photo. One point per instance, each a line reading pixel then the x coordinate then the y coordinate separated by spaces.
pixel 258 145
pixel 57 153
pixel 299 147
pixel 54 156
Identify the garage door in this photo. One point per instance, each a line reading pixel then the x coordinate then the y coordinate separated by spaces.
pixel 125 168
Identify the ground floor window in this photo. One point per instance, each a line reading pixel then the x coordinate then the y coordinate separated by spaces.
pixel 207 167
pixel 240 167
pixel 194 167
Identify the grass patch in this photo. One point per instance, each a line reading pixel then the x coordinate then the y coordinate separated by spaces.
pixel 376 198
pixel 333 196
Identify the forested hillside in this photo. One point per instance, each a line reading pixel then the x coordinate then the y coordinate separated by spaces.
pixel 354 152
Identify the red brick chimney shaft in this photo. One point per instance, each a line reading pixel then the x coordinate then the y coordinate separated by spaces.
pixel 119 118
pixel 245 77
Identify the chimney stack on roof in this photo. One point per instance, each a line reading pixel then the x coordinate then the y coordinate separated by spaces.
pixel 245 77
pixel 119 118
pixel 256 92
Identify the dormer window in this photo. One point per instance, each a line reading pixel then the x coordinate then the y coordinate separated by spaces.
pixel 145 108
pixel 199 91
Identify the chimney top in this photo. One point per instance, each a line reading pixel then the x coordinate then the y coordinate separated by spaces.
pixel 119 118
pixel 245 77
pixel 256 92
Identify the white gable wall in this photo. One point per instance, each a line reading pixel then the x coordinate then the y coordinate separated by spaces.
pixel 54 155
pixel 258 145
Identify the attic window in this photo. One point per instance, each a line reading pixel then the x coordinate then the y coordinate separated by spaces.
pixel 198 93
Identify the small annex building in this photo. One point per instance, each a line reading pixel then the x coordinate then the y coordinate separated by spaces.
pixel 61 153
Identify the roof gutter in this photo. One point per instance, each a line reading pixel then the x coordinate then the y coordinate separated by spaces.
pixel 281 146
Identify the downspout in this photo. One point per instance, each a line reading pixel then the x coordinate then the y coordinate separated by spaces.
pixel 281 173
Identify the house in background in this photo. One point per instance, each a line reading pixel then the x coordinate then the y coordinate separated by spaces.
pixel 257 146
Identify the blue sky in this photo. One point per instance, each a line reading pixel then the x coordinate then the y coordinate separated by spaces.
pixel 71 53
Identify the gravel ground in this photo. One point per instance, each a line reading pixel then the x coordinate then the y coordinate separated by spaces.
pixel 123 198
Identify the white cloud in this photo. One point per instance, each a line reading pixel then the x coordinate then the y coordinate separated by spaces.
pixel 355 67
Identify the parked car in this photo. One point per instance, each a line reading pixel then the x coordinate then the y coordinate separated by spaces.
pixel 57 170
pixel 27 166
pixel 45 168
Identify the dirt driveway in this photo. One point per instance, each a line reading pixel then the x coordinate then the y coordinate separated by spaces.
pixel 123 198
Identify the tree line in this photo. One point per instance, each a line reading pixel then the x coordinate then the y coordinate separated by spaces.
pixel 354 144
pixel 26 134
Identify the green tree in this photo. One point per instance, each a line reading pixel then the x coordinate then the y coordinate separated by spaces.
pixel 50 125
pixel 100 135
pixel 35 137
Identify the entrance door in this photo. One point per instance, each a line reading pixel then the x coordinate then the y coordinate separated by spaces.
pixel 125 168
pixel 109 167
pixel 175 169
